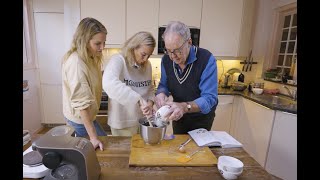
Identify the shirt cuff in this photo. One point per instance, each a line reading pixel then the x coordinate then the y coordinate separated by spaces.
pixel 203 105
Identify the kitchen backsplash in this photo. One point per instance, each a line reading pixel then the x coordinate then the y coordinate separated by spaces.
pixel 223 67
pixel 107 53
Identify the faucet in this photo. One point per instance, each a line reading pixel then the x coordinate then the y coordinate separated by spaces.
pixel 292 94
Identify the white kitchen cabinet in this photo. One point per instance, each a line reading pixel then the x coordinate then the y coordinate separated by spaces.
pixel 226 27
pixel 253 127
pixel 50 46
pixel 222 120
pixel 235 114
pixel 48 6
pixel 112 14
pixel 186 11
pixel 71 20
pixel 142 15
pixel 51 96
pixel 282 155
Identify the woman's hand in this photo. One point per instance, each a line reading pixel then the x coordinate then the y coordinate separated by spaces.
pixel 146 107
pixel 88 124
pixel 96 143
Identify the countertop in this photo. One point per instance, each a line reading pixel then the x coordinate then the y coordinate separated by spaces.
pixel 263 99
pixel 114 162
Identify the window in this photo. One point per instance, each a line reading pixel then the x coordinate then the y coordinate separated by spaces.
pixel 25 56
pixel 287 54
pixel 284 57
pixel 28 57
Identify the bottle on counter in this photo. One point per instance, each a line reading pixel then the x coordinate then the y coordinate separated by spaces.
pixel 250 86
pixel 241 77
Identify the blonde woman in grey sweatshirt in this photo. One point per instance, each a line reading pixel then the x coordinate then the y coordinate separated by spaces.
pixel 127 81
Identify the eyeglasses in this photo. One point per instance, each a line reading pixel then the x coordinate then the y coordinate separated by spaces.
pixel 176 51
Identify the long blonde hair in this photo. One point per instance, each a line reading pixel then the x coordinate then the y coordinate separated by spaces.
pixel 87 28
pixel 137 40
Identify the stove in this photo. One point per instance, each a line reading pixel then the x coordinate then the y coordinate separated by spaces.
pixel 103 111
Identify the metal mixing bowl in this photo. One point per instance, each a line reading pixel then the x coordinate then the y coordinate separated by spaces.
pixel 151 135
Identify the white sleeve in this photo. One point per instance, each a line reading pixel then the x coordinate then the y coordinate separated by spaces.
pixel 113 86
pixel 151 94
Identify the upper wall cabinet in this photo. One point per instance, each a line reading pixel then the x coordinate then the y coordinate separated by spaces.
pixel 48 6
pixel 50 46
pixel 186 11
pixel 142 15
pixel 226 27
pixel 111 13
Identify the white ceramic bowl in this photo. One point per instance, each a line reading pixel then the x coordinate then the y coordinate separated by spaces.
pixel 257 91
pixel 230 164
pixel 161 115
pixel 227 175
pixel 163 111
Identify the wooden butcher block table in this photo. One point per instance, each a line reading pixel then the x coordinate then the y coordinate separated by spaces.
pixel 166 153
pixel 114 162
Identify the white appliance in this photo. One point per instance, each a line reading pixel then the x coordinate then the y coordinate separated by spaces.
pixel 34 171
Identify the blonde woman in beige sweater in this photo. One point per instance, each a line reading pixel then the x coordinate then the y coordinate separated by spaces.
pixel 127 81
pixel 82 80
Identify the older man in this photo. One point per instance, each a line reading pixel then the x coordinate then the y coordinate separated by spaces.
pixel 189 74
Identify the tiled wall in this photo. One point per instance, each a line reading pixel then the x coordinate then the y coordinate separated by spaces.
pixel 223 67
pixel 107 53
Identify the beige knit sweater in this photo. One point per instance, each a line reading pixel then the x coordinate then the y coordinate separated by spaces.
pixel 81 88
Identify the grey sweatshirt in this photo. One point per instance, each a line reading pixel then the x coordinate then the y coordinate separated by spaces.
pixel 125 85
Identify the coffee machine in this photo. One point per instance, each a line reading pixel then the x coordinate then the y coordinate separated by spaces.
pixel 226 81
pixel 228 76
pixel 66 156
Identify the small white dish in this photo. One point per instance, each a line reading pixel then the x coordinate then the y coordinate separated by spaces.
pixel 228 170
pixel 230 167
pixel 257 91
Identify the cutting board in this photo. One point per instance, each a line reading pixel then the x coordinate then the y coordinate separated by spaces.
pixel 166 153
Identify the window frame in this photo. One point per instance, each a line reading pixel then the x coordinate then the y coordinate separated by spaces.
pixel 28 37
pixel 279 17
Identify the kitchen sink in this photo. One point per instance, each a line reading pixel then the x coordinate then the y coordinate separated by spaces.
pixel 277 99
pixel 282 100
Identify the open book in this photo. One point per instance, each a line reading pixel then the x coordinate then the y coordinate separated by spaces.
pixel 204 137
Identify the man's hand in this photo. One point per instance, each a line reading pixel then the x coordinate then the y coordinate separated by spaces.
pixel 161 100
pixel 177 109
